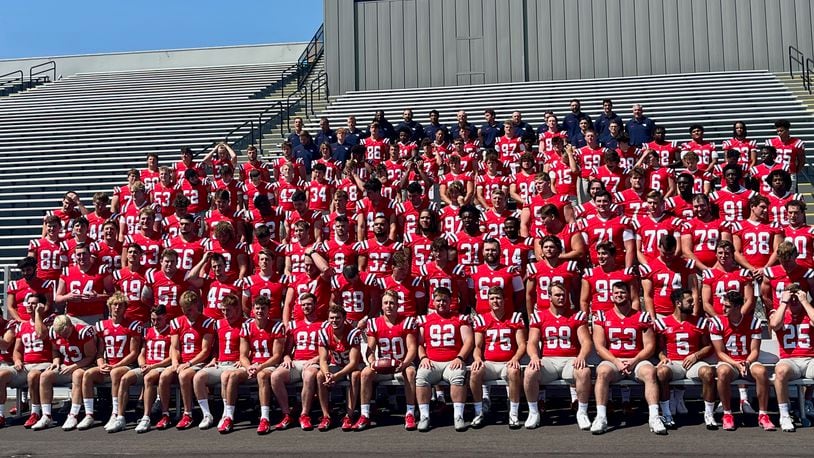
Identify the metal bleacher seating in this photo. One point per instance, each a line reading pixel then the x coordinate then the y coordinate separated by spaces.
pixel 85 131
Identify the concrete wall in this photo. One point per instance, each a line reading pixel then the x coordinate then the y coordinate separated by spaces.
pixel 141 60
pixel 382 44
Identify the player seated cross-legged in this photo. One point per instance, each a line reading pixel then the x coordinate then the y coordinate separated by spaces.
pixel 792 322
pixel 500 342
pixel 624 339
pixel 559 343
pixel 683 344
pixel 262 342
pixel 119 344
pixel 74 349
pixel 736 339
pixel 300 363
pixel 228 357
pixel 392 346
pixel 340 357
pixel 153 359
pixel 445 342
pixel 191 343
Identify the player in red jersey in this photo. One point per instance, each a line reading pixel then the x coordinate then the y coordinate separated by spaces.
pixel 301 212
pixel 550 268
pixel 340 358
pixel 147 238
pixel 350 291
pixel 493 273
pixel 73 348
pixel 17 291
pixel 253 162
pixel 130 215
pixel 123 195
pixel 101 213
pixel 48 250
pixel 792 323
pixel 226 242
pixel 756 241
pixel 701 234
pixel 456 174
pixel 266 282
pixel 522 185
pixel 736 340
pixel 163 193
pixel 300 363
pixel 564 171
pixel 412 299
pixel 152 361
pixel 509 147
pixel 32 355
pixel 515 250
pixel 590 157
pixel 82 289
pixel 531 218
pixel 787 272
pixel 490 181
pixel 284 190
pixel 469 241
pixel 228 183
pixel 667 151
pixel 780 195
pixel 595 292
pixel 624 339
pixel 296 163
pixel 376 146
pixel 449 220
pixel 71 209
pixel 705 150
pixel 216 285
pixel 227 361
pixel 196 190
pixel 545 140
pixel 681 204
pixel 683 344
pixel 612 175
pixel 300 242
pixel 186 244
pixel 569 234
pixel 375 252
pixel 500 343
pixel 791 152
pixel 418 243
pixel 606 226
pixel 191 344
pixel 320 190
pixel 768 163
pixel 315 281
pixel 445 342
pixel 119 344
pixel 443 271
pixel 702 179
pixel 659 177
pixel 131 282
pixel 732 199
pixel 223 211
pixel 389 337
pixel 799 232
pixel 664 274
pixel 170 225
pixel 632 201
pixel 652 226
pixel 369 208
pixel 110 248
pixel 491 220
pixel 409 210
pixel 79 234
pixel 165 285
pixel 559 344
pixel 726 275
pixel 339 246
pixel 187 163
pixel 262 342
pixel 739 142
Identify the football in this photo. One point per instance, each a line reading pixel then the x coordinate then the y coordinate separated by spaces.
pixel 385 365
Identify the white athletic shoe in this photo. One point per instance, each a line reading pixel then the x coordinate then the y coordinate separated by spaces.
pixel 514 421
pixel 746 408
pixel 111 422
pixel 533 420
pixel 143 425
pixel 600 425
pixel 86 423
pixel 460 424
pixel 787 425
pixel 657 426
pixel 118 425
pixel 44 422
pixel 207 422
pixel 583 421
pixel 477 422
pixel 70 423
pixel 709 421
pixel 424 424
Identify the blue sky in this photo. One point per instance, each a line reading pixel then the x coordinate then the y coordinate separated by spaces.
pixel 51 28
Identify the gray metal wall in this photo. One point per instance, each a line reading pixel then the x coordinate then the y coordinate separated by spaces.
pixel 383 44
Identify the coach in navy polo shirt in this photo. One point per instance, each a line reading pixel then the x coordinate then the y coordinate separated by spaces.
pixel 571 121
pixel 602 123
pixel 416 129
pixel 434 125
pixel 489 131
pixel 640 127
pixel 307 150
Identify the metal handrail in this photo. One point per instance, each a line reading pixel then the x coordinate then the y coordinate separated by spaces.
pixel 6 82
pixel 310 55
pixel 52 68
pixel 809 69
pixel 321 81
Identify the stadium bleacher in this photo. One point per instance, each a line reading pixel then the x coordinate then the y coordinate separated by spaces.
pixel 84 132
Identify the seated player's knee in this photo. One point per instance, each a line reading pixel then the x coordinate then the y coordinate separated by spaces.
pixel 724 371
pixel 706 373
pixel 664 373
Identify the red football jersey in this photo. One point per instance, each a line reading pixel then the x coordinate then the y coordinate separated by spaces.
pixel 442 336
pixel 50 258
pixel 666 151
pixel 787 152
pixel 601 282
pixel 198 195
pixel 272 287
pixel 737 337
pixel 449 277
pixel 319 287
pixel 469 247
pixel 72 348
pixel 191 335
pixel 617 230
pixel 745 147
pixel 734 205
pixel 189 253
pixel 484 277
pixel 164 197
pixel 650 230
pixel 261 340
pixel 680 339
pixel 543 274
pixel 36 348
pixel 720 282
pixel 228 340
pixel 623 335
pixel 339 348
pixel 391 339
pixel 558 334
pixel 22 288
pixel 588 159
pixel 777 206
pixel 131 284
pixel 705 150
pixel 157 344
pixel 80 282
pixel 215 292
pixel 409 292
pixel 339 253
pixel 354 296
pixel 116 338
pixel 378 255
pixel 631 202
pixel 419 246
pixel 665 279
pixel 780 279
pixel 803 239
pixel 305 338
pixel 166 290
pixel 757 240
pixel 795 337
pixel 705 236
pixel 499 340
